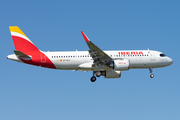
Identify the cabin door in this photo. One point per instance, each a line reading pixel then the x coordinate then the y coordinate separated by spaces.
pixel 152 57
pixel 43 58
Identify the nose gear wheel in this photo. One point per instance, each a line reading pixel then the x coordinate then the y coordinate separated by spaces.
pixel 152 75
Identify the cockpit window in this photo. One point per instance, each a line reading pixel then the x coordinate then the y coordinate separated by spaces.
pixel 162 55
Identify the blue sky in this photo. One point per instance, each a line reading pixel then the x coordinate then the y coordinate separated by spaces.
pixel 34 93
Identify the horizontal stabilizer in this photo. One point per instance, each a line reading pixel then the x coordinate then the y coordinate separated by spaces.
pixel 22 55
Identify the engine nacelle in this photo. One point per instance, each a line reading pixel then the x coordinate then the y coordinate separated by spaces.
pixel 121 65
pixel 111 74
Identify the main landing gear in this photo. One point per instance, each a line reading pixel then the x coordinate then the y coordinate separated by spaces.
pixel 98 74
pixel 152 75
pixel 93 79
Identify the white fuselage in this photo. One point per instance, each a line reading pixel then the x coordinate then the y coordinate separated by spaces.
pixel 73 60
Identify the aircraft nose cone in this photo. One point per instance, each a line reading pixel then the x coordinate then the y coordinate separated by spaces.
pixel 170 61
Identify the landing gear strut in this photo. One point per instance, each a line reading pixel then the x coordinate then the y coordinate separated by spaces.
pixel 152 75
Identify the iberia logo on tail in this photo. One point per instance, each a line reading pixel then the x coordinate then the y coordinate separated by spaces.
pixel 21 41
pixel 27 51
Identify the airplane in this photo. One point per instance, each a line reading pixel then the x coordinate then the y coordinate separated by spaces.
pixel 103 63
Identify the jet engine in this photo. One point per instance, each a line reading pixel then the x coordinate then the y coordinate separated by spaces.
pixel 121 65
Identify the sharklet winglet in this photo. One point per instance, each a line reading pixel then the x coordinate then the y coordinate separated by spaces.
pixel 85 37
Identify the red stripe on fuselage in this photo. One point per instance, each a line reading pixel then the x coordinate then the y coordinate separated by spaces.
pixel 30 49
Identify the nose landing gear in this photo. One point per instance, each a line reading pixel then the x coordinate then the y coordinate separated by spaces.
pixel 152 75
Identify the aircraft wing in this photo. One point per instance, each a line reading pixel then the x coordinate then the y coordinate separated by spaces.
pixel 100 58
